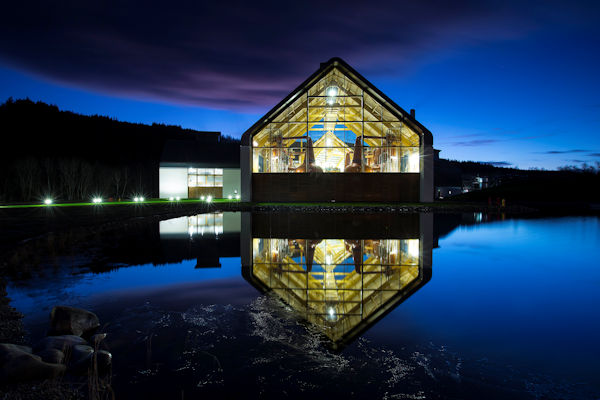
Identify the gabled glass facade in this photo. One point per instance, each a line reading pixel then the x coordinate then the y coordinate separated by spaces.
pixel 335 127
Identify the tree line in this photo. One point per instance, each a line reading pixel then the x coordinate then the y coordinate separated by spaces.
pixel 71 179
pixel 73 157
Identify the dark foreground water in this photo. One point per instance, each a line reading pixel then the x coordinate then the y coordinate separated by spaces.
pixel 286 307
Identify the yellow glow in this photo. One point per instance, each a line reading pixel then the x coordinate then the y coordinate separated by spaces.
pixel 336 283
pixel 338 110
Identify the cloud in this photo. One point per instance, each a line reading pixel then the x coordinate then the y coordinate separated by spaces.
pixel 594 154
pixel 497 163
pixel 563 151
pixel 242 55
pixel 475 142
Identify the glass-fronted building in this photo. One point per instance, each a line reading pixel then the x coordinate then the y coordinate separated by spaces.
pixel 336 137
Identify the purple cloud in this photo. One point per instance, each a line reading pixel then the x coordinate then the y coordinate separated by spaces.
pixel 564 151
pixel 241 55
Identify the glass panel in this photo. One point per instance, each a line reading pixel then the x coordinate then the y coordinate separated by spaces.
pixel 296 151
pixel 393 134
pixel 372 110
pixel 202 180
pixel 374 129
pixel 330 159
pixel 295 112
pixel 388 116
pixel 409 137
pixel 219 180
pixel 390 159
pixel 372 159
pixel 261 158
pixel 409 159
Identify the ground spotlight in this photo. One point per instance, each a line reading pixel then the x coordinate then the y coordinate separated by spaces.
pixel 47 201
pixel 230 197
pixel 97 200
pixel 209 199
pixel 177 198
pixel 171 198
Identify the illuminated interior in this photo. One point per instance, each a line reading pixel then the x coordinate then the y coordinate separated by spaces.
pixel 335 127
pixel 205 182
pixel 205 224
pixel 334 283
pixel 205 177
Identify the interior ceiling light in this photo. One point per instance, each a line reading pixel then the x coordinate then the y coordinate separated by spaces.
pixel 332 91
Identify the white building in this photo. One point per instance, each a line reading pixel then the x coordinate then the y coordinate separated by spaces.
pixel 205 167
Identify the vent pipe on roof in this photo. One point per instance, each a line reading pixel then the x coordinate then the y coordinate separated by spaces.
pixel 412 112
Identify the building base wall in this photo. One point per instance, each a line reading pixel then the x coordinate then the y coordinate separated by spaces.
pixel 172 182
pixel 375 187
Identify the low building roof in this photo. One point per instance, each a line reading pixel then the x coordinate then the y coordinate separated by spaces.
pixel 189 153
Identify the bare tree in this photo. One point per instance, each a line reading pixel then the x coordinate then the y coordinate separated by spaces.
pixel 28 176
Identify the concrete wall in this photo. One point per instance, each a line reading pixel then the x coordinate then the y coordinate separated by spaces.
pixel 172 182
pixel 231 181
pixel 232 222
pixel 246 172
pixel 426 168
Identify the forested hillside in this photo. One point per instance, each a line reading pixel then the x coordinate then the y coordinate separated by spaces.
pixel 48 152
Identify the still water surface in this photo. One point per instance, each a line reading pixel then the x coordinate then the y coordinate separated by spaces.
pixel 290 306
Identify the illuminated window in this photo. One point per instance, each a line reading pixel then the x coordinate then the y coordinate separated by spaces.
pixel 334 128
pixel 205 177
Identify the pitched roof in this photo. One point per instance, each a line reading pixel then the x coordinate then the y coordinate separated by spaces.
pixel 358 80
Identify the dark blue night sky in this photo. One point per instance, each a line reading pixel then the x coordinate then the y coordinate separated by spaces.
pixel 515 83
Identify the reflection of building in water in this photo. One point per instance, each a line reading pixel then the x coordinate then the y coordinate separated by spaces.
pixel 210 224
pixel 205 237
pixel 341 285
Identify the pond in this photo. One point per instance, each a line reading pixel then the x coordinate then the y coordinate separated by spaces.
pixel 397 306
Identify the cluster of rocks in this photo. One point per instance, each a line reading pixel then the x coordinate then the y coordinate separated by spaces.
pixel 72 346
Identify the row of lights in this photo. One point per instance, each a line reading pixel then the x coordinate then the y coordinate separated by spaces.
pixel 98 200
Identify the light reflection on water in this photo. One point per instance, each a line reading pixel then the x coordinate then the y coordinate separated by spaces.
pixel 510 309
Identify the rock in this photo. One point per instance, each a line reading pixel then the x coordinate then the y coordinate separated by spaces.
pixel 8 347
pixel 52 356
pixel 103 361
pixel 81 352
pixel 17 364
pixel 72 321
pixel 62 343
pixel 97 338
pixel 84 358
